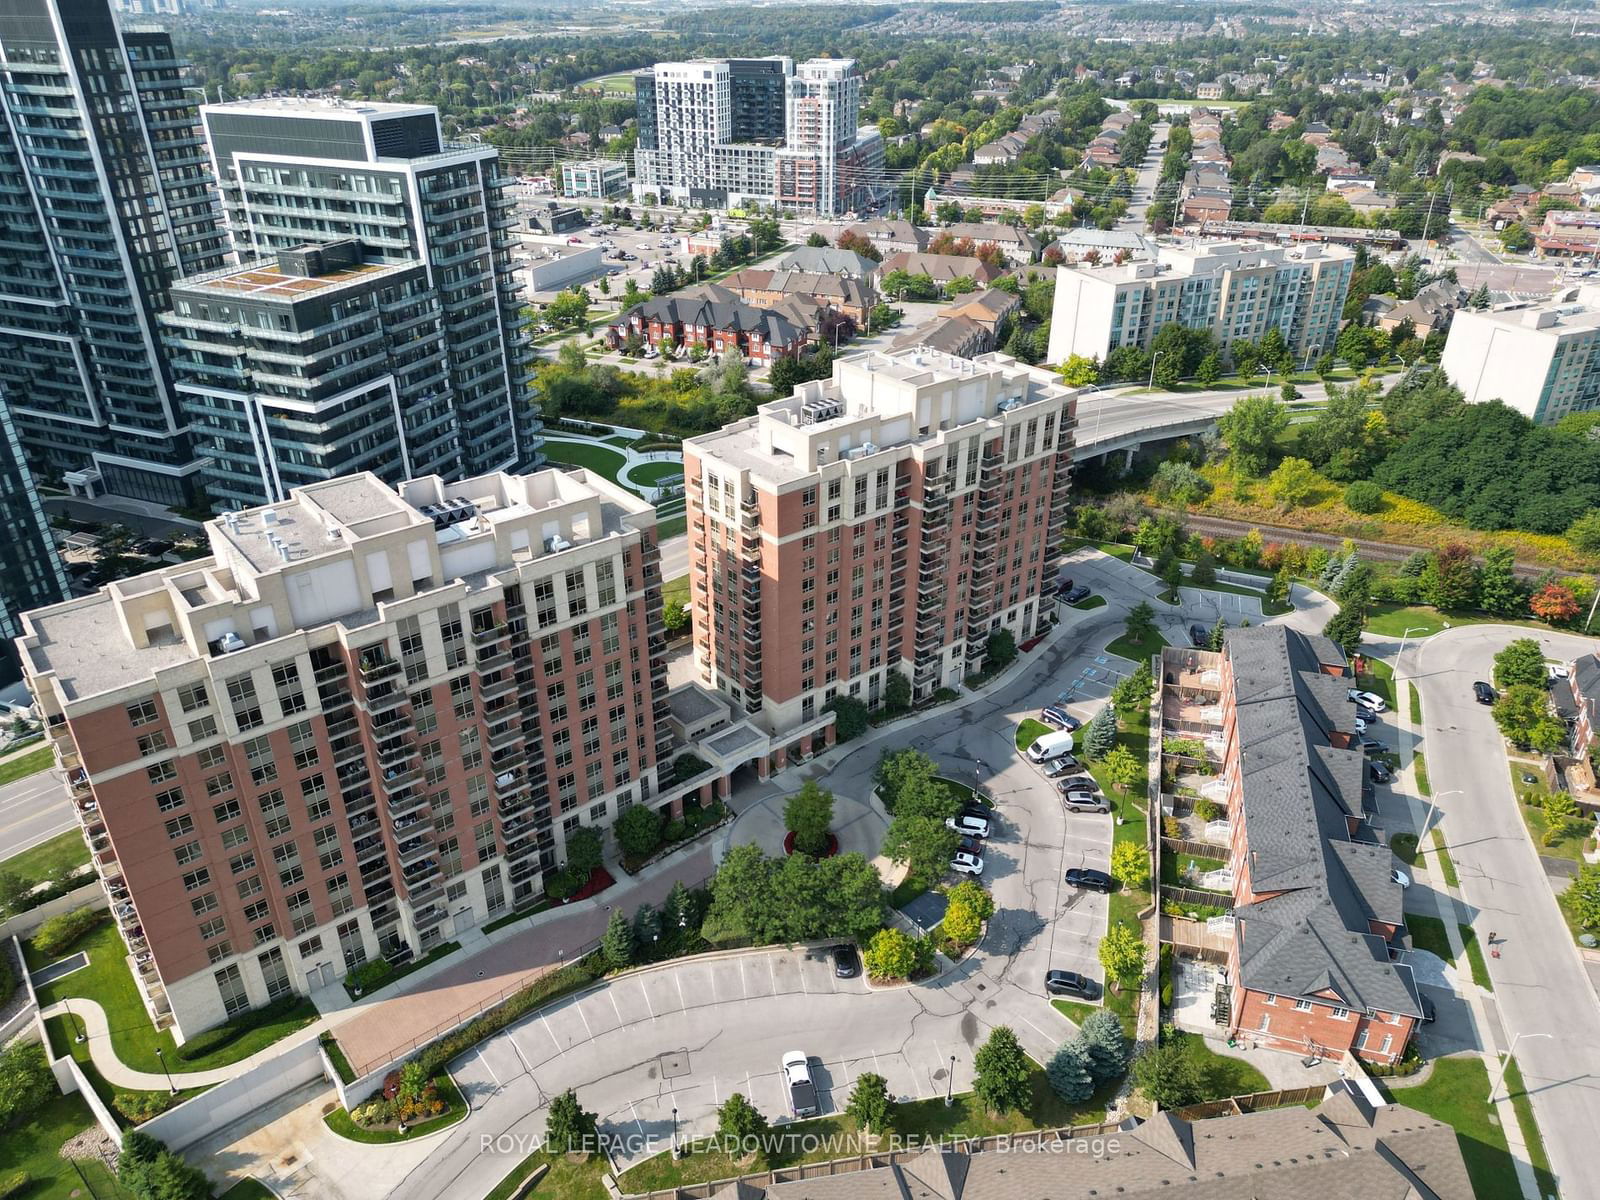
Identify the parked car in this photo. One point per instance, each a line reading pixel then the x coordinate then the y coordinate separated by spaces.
pixel 1060 717
pixel 1379 773
pixel 1200 637
pixel 1079 800
pixel 1051 745
pixel 967 824
pixel 1070 983
pixel 846 961
pixel 153 546
pixel 1063 586
pixel 1484 693
pixel 1400 877
pixel 1061 766
pixel 1371 699
pixel 1361 725
pixel 1554 671
pixel 966 864
pixel 1370 716
pixel 802 1092
pixel 1076 595
pixel 1089 879
pixel 1373 746
pixel 970 846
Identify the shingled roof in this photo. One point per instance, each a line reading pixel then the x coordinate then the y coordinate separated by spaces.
pixel 1301 797
pixel 716 308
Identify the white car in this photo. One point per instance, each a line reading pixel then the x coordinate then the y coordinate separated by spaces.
pixel 1554 671
pixel 1371 699
pixel 1361 726
pixel 967 864
pixel 1400 877
pixel 968 825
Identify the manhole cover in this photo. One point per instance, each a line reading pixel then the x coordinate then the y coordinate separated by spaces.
pixel 674 1063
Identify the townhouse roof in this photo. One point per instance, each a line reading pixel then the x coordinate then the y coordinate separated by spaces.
pixel 998 232
pixel 1585 671
pixel 1310 936
pixel 900 232
pixel 988 305
pixel 941 268
pixel 949 334
pixel 717 308
pixel 800 283
pixel 826 260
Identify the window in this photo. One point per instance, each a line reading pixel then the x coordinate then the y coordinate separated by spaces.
pixel 192 697
pixel 170 799
pixel 246 706
pixel 275 973
pixel 187 853
pixel 239 864
pixel 212 757
pixel 233 838
pixel 215 954
pixel 312 945
pixel 143 712
pixel 202 728
pixel 1341 1014
pixel 1266 1024
pixel 179 826
pixel 152 744
pixel 204 904
pixel 195 880
pixel 249 887
pixel 218 784
pixel 1302 1006
pixel 213 928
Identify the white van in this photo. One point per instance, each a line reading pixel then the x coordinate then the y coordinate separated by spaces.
pixel 1051 745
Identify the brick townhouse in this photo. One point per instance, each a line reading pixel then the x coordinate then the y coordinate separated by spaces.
pixel 1318 914
pixel 365 723
pixel 711 317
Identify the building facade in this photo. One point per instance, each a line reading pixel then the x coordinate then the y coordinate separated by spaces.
pixel 1319 919
pixel 1541 359
pixel 885 520
pixel 106 199
pixel 1235 290
pixel 367 722
pixel 296 172
pixel 31 574
pixel 726 133
pixel 595 178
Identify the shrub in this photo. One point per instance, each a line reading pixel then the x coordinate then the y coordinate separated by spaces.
pixel 13 1184
pixel 139 1107
pixel 368 975
pixel 850 717
pixel 686 766
pixel 8 978
pixel 1207 810
pixel 59 932
pixel 25 1081
pixel 1363 496
pixel 1171 827
pixel 638 830
pixel 209 1041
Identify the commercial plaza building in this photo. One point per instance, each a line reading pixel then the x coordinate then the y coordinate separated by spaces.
pixel 363 725
pixel 105 198
pixel 1235 290
pixel 1541 359
pixel 885 520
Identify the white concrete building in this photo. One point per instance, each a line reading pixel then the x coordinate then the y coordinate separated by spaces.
pixel 1541 359
pixel 1237 290
pixel 595 178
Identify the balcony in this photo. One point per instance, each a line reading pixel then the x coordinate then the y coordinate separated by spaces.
pixel 489 635
pixel 375 666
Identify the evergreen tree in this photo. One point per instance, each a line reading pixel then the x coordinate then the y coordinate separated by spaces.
pixel 1068 1072
pixel 1001 1079
pixel 646 931
pixel 1101 734
pixel 1479 300
pixel 1498 589
pixel 1106 1045
pixel 617 944
pixel 1218 633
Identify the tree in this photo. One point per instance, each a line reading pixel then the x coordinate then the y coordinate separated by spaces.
pixel 1219 635
pixel 1133 691
pixel 1204 572
pixel 909 774
pixel 740 1121
pixel 1246 358
pixel 1498 588
pixel 850 717
pixel 1140 623
pixel 871 1106
pixel 1278 589
pixel 1124 955
pixel 1251 431
pixel 1516 238
pixel 1001 1080
pixel 1363 496
pixel 892 954
pixel 1523 715
pixel 25 1081
pixel 638 830
pixel 1167 1075
pixel 1450 580
pixel 1479 300
pixel 1122 768
pixel 1107 1044
pixel 616 945
pixel 1171 574
pixel 1101 734
pixel 585 852
pixel 1000 650
pixel 1555 603
pixel 924 843
pixel 807 815
pixel 1583 896
pixel 1209 370
pixel 1292 483
pixel 1130 865
pixel 1344 629
pixel 569 308
pixel 1520 662
pixel 1068 1072
pixel 1584 533
pixel 1079 371
pixel 569 1128
pixel 816 241
pixel 14 889
pixel 967 907
pixel 896 692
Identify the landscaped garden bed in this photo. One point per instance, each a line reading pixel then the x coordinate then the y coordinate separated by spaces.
pixel 411 1105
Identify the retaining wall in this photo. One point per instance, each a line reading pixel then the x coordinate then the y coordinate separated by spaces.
pixel 220 1106
pixel 90 895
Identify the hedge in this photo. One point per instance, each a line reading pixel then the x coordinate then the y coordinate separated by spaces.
pixel 13 1184
pixel 59 932
pixel 8 978
pixel 209 1041
pixel 138 1107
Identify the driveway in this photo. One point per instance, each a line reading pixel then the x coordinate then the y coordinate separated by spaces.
pixel 1540 985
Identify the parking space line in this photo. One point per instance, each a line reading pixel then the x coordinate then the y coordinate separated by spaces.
pixel 586 1027
pixel 647 1003
pixel 1052 1041
pixel 716 1096
pixel 613 996
pixel 638 1124
pixel 526 1065
pixel 487 1067
pixel 543 1020
pixel 772 973
pixel 804 990
pixel 683 1005
pixel 743 982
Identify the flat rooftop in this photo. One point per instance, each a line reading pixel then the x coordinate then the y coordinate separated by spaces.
pixel 267 282
pixel 310 106
pixel 85 645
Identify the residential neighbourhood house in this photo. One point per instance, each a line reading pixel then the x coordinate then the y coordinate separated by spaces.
pixel 702 318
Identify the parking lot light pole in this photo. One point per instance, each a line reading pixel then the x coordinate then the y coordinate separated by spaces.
pixel 1409 631
pixel 950 1082
pixel 171 1087
pixel 675 1153
pixel 1506 1064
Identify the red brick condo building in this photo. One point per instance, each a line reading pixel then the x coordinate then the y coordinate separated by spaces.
pixel 1318 915
pixel 361 726
pixel 886 519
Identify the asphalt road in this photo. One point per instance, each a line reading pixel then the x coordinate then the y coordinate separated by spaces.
pixel 1540 985
pixel 33 810
pixel 1145 186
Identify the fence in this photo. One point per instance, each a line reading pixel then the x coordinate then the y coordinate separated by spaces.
pixel 1195 939
pixel 1255 1102
pixel 90 895
pixel 869 1161
pixel 245 1093
pixel 1194 849
pixel 1197 898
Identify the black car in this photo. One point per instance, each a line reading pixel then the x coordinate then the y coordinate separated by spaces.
pixel 1379 773
pixel 1063 586
pixel 1200 637
pixel 1368 715
pixel 1070 983
pixel 981 811
pixel 1373 746
pixel 1062 766
pixel 1484 693
pixel 1076 594
pixel 846 962
pixel 1089 879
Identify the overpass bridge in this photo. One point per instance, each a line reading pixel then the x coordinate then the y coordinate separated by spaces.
pixel 1125 419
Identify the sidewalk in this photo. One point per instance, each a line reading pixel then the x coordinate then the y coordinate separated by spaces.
pixel 1485 1017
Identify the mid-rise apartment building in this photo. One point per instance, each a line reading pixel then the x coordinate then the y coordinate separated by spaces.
pixel 1319 918
pixel 313 365
pixel 885 520
pixel 365 723
pixel 1541 359
pixel 723 133
pixel 297 171
pixel 1235 290
pixel 106 199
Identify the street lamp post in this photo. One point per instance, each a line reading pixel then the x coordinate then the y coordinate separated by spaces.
pixel 950 1082
pixel 1153 359
pixel 1410 629
pixel 1506 1064
pixel 80 1035
pixel 1427 817
pixel 1310 350
pixel 675 1153
pixel 171 1087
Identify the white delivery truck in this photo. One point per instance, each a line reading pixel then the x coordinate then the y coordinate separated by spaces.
pixel 1051 745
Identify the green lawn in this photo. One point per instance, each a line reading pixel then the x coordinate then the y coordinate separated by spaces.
pixel 108 981
pixel 1136 651
pixel 248 1189
pixel 341 1123
pixel 1569 846
pixel 564 1180
pixel 1392 620
pixel 833 1136
pixel 62 1030
pixel 1120 1003
pixel 1457 1093
pixel 1447 866
pixel 27 764
pixel 585 454
pixel 1175 866
pixel 1428 933
pixel 64 852
pixel 1480 969
pixel 1220 1075
pixel 672 527
pixel 1531 1137
pixel 1414 702
pixel 1419 770
pixel 1088 602
pixel 33 1147
pixel 1379 678
pixel 1030 731
pixel 676 591
pixel 1404 846
pixel 654 474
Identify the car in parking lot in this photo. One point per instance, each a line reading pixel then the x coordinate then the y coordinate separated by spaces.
pixel 1088 879
pixel 1070 983
pixel 1077 594
pixel 1063 586
pixel 1400 877
pixel 1369 699
pixel 802 1092
pixel 1059 717
pixel 1483 692
pixel 846 961
pixel 1082 800
pixel 1200 637
pixel 1554 671
pixel 1373 746
pixel 1379 773
pixel 966 864
pixel 1064 765
pixel 968 824
pixel 1370 716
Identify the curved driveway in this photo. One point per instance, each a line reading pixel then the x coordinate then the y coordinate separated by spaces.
pixel 687 1034
pixel 1540 985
